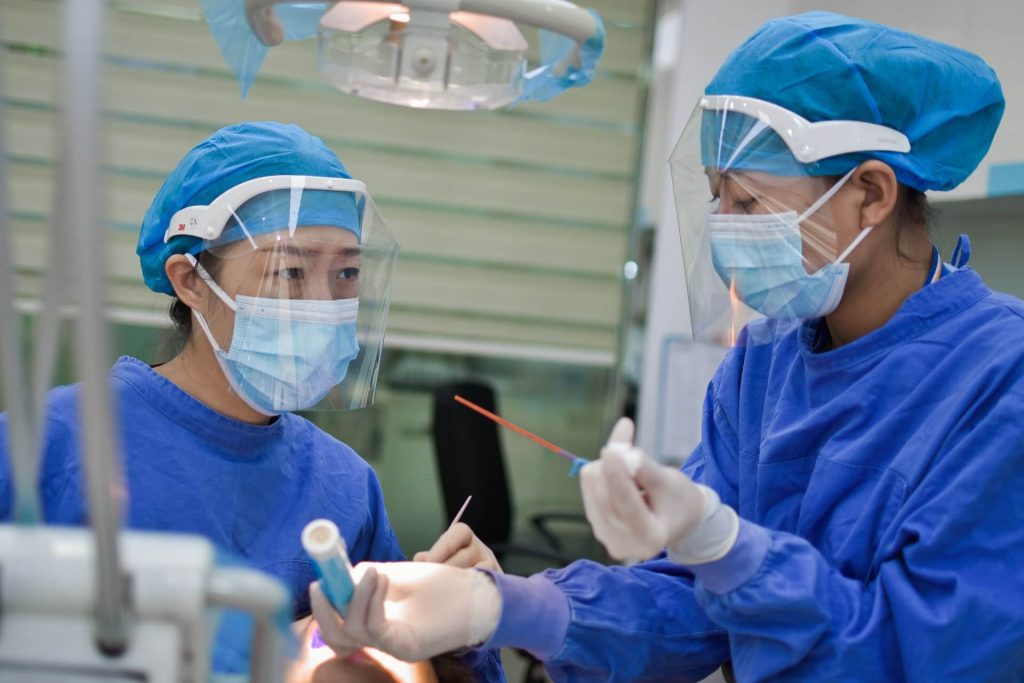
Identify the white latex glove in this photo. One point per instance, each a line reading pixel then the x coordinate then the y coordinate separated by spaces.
pixel 459 547
pixel 327 620
pixel 638 508
pixel 321 665
pixel 411 610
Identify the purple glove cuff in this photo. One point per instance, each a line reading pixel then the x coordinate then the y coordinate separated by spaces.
pixel 739 565
pixel 534 615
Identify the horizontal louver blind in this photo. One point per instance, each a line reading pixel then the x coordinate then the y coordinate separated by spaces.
pixel 513 224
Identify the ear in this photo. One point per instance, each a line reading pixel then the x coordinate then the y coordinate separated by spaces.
pixel 185 280
pixel 881 191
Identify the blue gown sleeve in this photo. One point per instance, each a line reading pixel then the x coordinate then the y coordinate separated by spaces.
pixel 951 569
pixel 640 623
pixel 589 622
pixel 485 665
pixel 644 623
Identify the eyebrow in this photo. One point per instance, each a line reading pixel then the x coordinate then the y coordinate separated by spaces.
pixel 299 251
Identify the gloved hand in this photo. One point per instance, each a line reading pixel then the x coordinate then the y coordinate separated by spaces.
pixel 326 620
pixel 411 610
pixel 638 508
pixel 321 665
pixel 459 547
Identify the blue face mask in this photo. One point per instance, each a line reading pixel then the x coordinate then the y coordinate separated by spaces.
pixel 286 354
pixel 760 256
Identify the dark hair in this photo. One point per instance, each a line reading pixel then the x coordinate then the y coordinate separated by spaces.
pixel 449 669
pixel 914 207
pixel 181 315
pixel 913 212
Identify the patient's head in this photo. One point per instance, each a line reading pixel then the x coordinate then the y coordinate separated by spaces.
pixel 318 664
pixel 369 667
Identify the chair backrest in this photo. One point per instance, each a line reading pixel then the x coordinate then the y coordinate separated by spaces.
pixel 470 461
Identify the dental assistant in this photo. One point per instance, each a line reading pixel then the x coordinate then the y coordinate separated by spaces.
pixel 279 267
pixel 854 510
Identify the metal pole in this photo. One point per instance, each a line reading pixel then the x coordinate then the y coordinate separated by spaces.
pixel 83 30
pixel 265 598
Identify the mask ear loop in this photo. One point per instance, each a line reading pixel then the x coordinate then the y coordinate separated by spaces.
pixel 821 201
pixel 219 353
pixel 813 208
pixel 856 240
pixel 211 283
pixel 205 277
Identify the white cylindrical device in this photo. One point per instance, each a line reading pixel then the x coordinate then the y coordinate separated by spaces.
pixel 326 547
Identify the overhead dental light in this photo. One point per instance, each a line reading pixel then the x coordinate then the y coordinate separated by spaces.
pixel 433 54
pixel 421 58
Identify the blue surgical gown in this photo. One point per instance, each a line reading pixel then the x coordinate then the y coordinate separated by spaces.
pixel 250 489
pixel 881 488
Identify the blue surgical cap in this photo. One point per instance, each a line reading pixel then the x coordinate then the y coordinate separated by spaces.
pixel 829 67
pixel 232 156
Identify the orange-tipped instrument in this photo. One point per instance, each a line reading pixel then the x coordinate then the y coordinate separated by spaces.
pixel 577 461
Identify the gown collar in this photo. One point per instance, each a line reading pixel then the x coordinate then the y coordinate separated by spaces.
pixel 924 310
pixel 207 424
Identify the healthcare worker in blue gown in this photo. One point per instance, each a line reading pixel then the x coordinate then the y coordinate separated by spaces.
pixel 280 268
pixel 854 511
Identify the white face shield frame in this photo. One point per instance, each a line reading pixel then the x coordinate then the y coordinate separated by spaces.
pixel 810 142
pixel 208 221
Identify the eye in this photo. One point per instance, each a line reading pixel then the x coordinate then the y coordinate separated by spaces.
pixel 290 273
pixel 746 205
pixel 348 273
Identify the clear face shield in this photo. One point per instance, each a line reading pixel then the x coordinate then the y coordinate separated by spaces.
pixel 299 270
pixel 757 230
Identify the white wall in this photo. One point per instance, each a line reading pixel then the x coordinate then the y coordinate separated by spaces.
pixel 996 229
